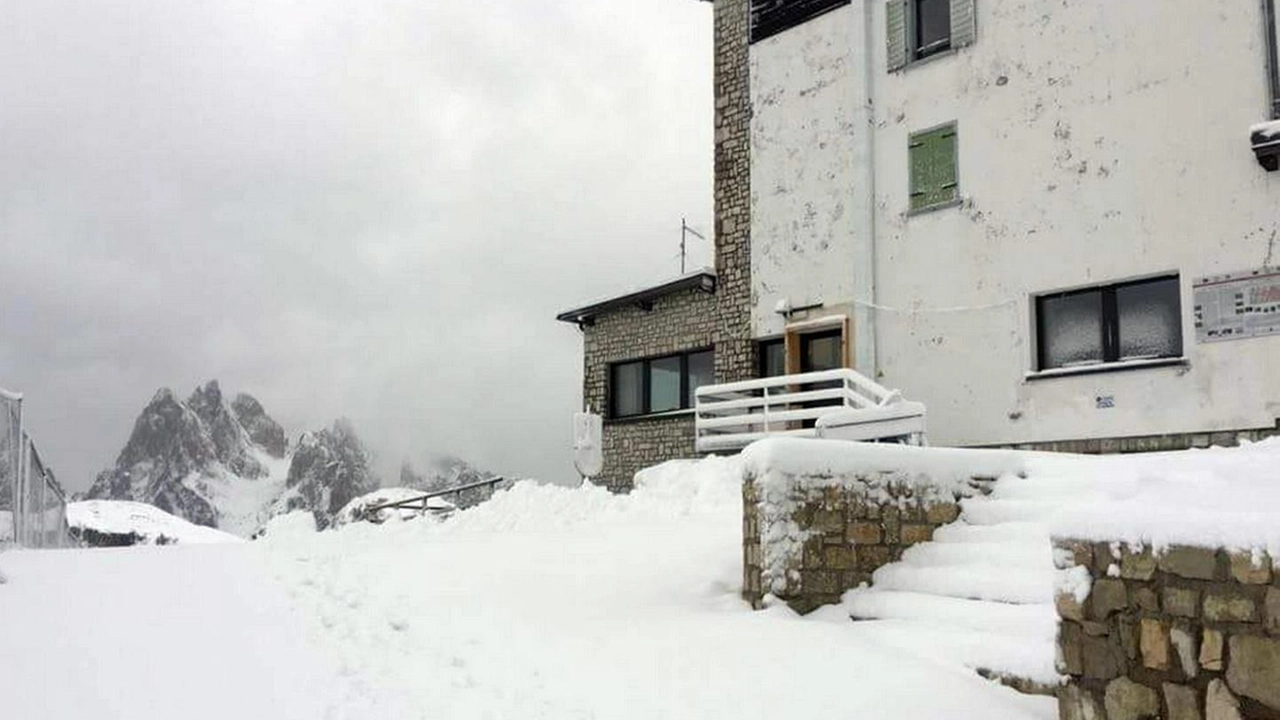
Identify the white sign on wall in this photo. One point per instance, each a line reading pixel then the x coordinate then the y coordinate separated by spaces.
pixel 1236 306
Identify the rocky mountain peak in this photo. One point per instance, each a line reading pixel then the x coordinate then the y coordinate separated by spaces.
pixel 230 439
pixel 261 428
pixel 184 457
pixel 168 444
pixel 330 467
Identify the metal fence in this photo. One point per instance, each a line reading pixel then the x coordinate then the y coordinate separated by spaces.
pixel 33 507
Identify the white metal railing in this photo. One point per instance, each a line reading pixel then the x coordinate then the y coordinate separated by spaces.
pixel 732 415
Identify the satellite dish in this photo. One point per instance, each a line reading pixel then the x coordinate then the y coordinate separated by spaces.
pixel 588 455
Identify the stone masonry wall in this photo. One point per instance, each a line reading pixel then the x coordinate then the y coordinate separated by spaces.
pixel 1186 634
pixel 678 322
pixel 807 542
pixel 735 356
pixel 1149 443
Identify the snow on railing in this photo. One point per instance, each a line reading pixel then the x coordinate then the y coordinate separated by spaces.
pixel 827 403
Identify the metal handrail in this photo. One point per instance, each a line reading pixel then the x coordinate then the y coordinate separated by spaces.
pixel 407 503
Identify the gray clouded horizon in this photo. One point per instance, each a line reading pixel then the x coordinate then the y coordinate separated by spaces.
pixel 364 209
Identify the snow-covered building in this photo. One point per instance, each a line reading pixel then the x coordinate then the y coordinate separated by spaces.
pixel 1057 226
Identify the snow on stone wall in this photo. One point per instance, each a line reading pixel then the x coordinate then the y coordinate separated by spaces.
pixel 1186 632
pixel 820 517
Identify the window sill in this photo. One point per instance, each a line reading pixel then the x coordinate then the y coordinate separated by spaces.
pixel 1107 367
pixel 652 416
pixel 928 59
pixel 934 208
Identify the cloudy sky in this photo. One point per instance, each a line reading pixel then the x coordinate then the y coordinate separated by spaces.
pixel 369 208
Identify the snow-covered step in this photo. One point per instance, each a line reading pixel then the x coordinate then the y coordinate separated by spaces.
pixel 995 582
pixel 1036 621
pixel 987 511
pixel 1010 532
pixel 1030 556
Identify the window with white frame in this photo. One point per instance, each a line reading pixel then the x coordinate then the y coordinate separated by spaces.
pixel 1137 320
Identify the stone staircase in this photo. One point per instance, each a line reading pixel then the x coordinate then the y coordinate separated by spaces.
pixel 981 591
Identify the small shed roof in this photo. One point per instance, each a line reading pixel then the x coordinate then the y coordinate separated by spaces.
pixel 703 279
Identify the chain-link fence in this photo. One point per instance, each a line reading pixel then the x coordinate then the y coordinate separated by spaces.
pixel 33 507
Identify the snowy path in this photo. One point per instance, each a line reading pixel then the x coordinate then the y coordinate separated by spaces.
pixel 545 603
pixel 173 632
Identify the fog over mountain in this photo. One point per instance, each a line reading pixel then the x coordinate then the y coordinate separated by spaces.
pixel 368 210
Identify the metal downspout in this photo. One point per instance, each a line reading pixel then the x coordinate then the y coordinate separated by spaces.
pixel 1273 56
pixel 869 316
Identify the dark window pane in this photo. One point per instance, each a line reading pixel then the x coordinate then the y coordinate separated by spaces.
pixel 702 371
pixel 664 384
pixel 1071 330
pixel 628 389
pixel 933 26
pixel 773 358
pixel 1150 319
pixel 821 352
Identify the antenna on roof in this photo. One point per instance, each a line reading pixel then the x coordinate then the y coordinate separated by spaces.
pixel 686 231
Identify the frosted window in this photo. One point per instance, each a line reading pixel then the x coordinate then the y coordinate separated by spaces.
pixel 1150 319
pixel 1071 330
pixel 664 384
pixel 701 372
pixel 628 389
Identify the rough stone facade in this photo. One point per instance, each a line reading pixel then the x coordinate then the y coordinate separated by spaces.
pixel 810 542
pixel 1150 443
pixel 678 322
pixel 735 356
pixel 1186 634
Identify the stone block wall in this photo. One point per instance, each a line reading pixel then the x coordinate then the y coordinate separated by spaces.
pixel 735 356
pixel 1184 634
pixel 678 322
pixel 809 540
pixel 1149 443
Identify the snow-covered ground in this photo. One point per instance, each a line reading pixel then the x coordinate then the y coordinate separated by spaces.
pixel 545 602
pixel 150 523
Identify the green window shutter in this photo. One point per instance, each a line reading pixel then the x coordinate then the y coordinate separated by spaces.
pixel 964 23
pixel 934 180
pixel 895 12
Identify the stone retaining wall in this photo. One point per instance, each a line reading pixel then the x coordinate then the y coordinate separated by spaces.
pixel 1185 634
pixel 808 540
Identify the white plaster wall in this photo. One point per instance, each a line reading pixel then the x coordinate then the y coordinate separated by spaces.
pixel 810 170
pixel 1114 148
pixel 1098 141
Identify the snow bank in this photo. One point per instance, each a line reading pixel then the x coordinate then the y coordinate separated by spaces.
pixel 291 526
pixel 675 489
pixel 148 523
pixel 6 526
pixel 1218 497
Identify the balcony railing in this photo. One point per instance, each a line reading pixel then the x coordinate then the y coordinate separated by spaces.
pixel 841 404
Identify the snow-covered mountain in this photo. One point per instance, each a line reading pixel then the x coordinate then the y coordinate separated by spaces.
pixel 228 466
pixel 330 468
